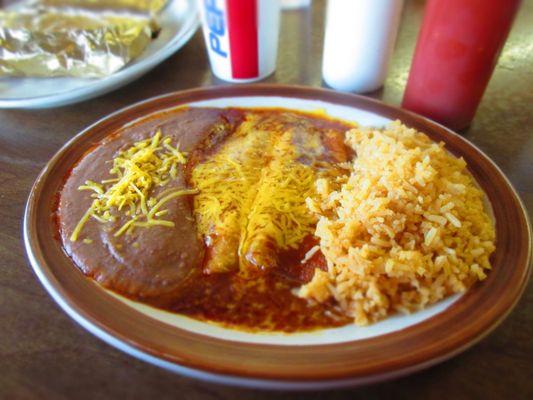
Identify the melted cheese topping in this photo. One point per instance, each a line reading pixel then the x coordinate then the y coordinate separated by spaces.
pixel 278 211
pixel 252 197
pixel 137 171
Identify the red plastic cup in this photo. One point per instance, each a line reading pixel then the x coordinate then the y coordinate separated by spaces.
pixel 457 50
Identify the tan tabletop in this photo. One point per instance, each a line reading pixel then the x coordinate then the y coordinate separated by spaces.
pixel 44 354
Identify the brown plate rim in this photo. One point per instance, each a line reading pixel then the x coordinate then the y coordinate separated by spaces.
pixel 347 363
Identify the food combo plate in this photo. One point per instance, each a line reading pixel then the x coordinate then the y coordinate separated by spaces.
pixel 325 358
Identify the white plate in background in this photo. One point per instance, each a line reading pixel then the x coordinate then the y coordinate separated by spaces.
pixel 178 23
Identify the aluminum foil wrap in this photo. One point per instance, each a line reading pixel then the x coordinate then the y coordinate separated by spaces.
pixel 46 42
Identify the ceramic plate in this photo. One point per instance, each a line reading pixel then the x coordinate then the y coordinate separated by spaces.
pixel 348 355
pixel 178 23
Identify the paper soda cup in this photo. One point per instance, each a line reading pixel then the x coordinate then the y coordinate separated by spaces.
pixel 241 37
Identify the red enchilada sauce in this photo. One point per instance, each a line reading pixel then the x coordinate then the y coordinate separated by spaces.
pixel 261 300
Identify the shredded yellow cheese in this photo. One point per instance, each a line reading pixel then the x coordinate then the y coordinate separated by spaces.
pixel 147 164
pixel 278 211
pixel 253 193
pixel 225 181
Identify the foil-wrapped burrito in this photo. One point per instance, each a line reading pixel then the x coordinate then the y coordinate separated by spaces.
pixel 46 42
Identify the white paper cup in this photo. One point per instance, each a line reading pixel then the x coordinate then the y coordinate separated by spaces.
pixel 241 37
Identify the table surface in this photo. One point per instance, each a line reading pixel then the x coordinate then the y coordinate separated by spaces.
pixel 44 354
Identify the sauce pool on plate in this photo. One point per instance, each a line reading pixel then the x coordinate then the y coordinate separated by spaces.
pixel 202 212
